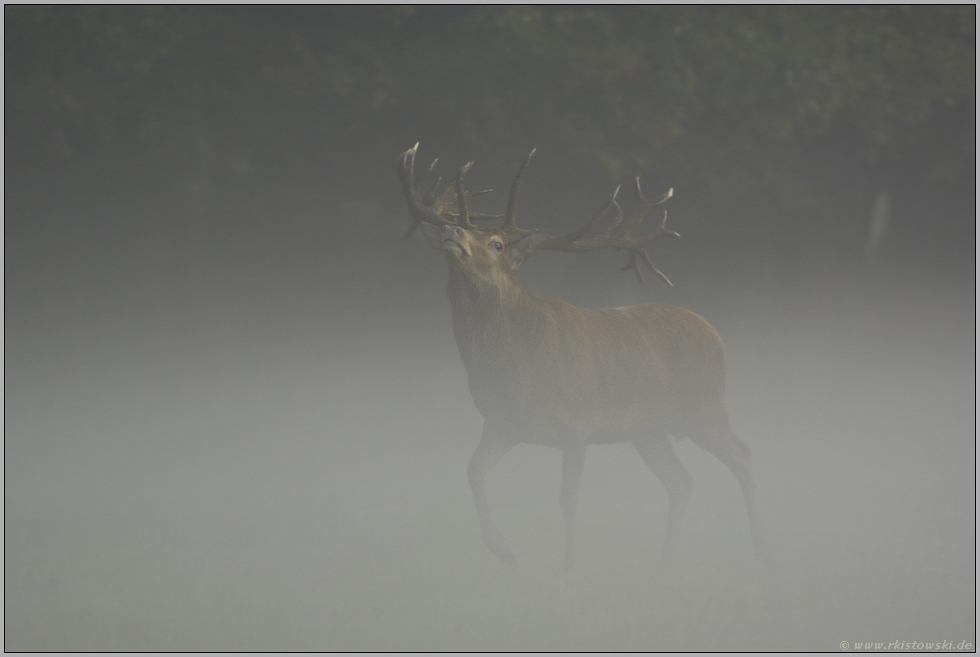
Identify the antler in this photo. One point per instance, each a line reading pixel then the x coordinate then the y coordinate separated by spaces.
pixel 448 209
pixel 510 223
pixel 618 235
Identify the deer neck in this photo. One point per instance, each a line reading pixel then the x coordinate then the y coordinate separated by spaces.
pixel 490 322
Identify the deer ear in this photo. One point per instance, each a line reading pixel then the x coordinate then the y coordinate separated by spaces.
pixel 523 247
pixel 433 234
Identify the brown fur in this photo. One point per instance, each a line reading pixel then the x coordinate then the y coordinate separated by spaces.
pixel 547 372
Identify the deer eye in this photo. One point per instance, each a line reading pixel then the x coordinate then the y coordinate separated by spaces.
pixel 499 246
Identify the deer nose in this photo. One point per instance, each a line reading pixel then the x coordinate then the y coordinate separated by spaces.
pixel 450 232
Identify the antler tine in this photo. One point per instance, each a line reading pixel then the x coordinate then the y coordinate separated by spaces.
pixel 510 223
pixel 589 225
pixel 466 217
pixel 464 211
pixel 619 213
pixel 619 234
pixel 406 168
pixel 430 196
pixel 638 195
pixel 649 264
pixel 421 208
pixel 634 265
pixel 637 210
pixel 640 207
pixel 406 173
pixel 660 231
pixel 431 166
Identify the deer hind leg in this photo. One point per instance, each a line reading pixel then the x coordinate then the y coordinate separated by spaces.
pixel 573 459
pixel 657 452
pixel 717 437
pixel 489 451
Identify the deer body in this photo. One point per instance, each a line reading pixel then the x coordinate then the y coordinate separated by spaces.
pixel 544 371
pixel 552 373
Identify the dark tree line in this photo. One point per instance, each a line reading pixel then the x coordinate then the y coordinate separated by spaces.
pixel 789 104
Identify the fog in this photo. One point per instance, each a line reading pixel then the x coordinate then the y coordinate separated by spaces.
pixel 236 417
pixel 260 443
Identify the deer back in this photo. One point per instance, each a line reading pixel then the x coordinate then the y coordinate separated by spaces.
pixel 548 368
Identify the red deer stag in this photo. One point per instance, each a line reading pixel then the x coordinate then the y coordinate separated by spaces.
pixel 545 372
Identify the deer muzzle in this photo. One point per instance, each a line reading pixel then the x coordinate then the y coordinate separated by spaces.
pixel 452 240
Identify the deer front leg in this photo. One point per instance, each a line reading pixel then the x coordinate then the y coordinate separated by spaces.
pixel 490 450
pixel 573 458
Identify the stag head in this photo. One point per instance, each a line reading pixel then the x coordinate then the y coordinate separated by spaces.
pixel 448 225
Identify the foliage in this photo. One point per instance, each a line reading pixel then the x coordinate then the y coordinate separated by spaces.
pixel 736 97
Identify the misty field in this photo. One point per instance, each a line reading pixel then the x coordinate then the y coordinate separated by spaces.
pixel 235 414
pixel 295 485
